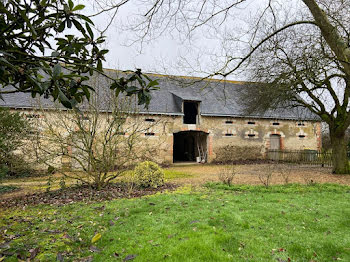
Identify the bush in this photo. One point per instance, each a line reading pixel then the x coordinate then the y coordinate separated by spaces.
pixel 229 153
pixel 14 130
pixel 226 175
pixel 148 174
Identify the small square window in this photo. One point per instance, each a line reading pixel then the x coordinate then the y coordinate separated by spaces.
pixel 149 134
pixel 31 116
pixel 229 122
pixel 275 124
pixel 251 122
pixel 150 120
pixel 301 124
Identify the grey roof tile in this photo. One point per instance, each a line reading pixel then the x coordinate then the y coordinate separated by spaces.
pixel 217 98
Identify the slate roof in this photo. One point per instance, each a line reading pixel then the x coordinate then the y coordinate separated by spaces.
pixel 217 98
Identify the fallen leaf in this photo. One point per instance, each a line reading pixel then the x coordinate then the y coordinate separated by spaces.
pixel 129 257
pixel 96 238
pixel 94 249
pixel 66 236
pixel 5 245
pixel 59 257
pixel 87 259
pixel 33 253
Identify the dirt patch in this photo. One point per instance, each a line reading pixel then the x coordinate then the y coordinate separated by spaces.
pixel 249 174
pixel 81 193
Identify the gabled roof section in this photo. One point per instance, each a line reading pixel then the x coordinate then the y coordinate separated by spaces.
pixel 217 98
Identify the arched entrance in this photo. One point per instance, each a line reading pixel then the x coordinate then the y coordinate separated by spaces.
pixel 190 146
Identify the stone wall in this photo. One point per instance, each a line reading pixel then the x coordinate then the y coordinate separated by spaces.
pixel 228 138
pixel 244 138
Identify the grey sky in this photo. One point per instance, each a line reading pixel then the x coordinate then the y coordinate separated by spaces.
pixel 164 54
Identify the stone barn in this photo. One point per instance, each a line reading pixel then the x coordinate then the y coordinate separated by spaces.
pixel 202 121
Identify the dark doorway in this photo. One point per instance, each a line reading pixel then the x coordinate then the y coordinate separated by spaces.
pixel 190 112
pixel 190 146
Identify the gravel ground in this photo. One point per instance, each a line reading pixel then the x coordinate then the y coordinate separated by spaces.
pixel 249 174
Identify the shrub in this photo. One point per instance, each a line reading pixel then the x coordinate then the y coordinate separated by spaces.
pixel 285 171
pixel 265 175
pixel 148 174
pixel 229 153
pixel 226 175
pixel 14 130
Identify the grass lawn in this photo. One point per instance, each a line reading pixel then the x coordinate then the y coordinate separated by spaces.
pixel 216 223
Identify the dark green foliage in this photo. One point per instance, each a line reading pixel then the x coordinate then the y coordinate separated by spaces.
pixel 6 189
pixel 37 57
pixel 14 129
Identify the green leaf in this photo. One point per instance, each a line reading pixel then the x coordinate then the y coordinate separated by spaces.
pixel 131 89
pixel 56 70
pixel 64 100
pixel 78 26
pixel 86 92
pixel 69 23
pixel 153 83
pixel 61 27
pixel 87 19
pixel 71 4
pixel 89 30
pixel 29 24
pixel 55 53
pixel 99 65
pixel 78 7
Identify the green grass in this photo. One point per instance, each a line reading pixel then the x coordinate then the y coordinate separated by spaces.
pixel 173 174
pixel 217 223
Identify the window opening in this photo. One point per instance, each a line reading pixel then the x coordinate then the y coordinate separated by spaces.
pixel 251 135
pixel 149 134
pixel 32 116
pixel 228 122
pixel 228 134
pixel 251 123
pixel 150 120
pixel 190 112
pixel 275 124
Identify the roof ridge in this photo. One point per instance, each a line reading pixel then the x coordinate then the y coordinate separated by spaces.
pixel 185 77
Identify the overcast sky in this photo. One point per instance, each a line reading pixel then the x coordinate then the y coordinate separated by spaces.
pixel 163 55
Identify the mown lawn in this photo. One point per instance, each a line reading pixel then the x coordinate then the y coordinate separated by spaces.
pixel 216 223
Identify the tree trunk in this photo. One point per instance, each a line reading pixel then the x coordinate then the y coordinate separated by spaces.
pixel 339 153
